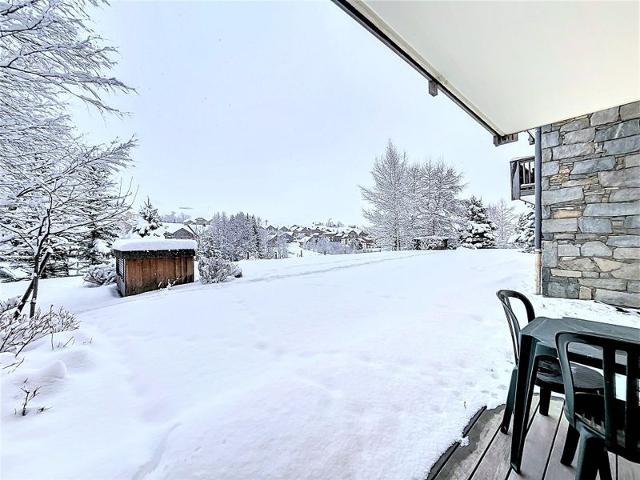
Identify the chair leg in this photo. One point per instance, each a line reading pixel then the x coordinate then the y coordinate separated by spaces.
pixel 604 468
pixel 589 457
pixel 508 408
pixel 570 446
pixel 545 400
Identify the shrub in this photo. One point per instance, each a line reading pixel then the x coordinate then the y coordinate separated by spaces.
pixel 215 269
pixel 16 332
pixel 98 275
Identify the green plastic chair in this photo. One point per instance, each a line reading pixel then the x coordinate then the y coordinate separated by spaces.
pixel 601 423
pixel 549 375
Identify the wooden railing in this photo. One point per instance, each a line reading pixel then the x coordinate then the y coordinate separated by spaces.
pixel 522 178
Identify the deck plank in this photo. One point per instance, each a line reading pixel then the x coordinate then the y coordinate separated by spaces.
pixel 463 460
pixel 539 442
pixel 555 470
pixel 488 453
pixel 495 464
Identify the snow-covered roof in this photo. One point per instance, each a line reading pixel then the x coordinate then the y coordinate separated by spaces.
pixel 173 227
pixel 145 244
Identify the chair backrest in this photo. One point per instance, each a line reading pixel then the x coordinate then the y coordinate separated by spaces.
pixel 505 297
pixel 617 417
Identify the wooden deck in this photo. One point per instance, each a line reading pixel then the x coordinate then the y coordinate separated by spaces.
pixel 486 457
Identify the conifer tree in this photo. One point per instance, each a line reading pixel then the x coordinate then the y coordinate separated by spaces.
pixel 479 232
pixel 149 223
pixel 524 234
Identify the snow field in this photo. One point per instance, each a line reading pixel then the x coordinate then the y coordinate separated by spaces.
pixel 350 366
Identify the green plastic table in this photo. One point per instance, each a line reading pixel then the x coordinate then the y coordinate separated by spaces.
pixel 538 338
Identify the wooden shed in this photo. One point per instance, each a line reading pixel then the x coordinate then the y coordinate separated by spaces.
pixel 143 265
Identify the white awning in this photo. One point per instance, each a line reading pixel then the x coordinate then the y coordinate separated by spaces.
pixel 516 65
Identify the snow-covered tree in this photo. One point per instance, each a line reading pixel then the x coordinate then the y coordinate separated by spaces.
pixel 49 54
pixel 174 217
pixel 149 222
pixel 479 232
pixel 44 202
pixel 325 246
pixel 388 200
pixel 504 218
pixel 99 236
pixel 440 209
pixel 235 237
pixel 412 200
pixel 525 230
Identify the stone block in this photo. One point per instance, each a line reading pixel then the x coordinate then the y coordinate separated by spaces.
pixel 596 198
pixel 579 264
pixel 568 250
pixel 566 213
pixel 590 274
pixel 579 136
pixel 618 298
pixel 619 130
pixel 627 177
pixel 633 287
pixel 549 254
pixel 561 290
pixel 561 195
pixel 606 265
pixel 625 195
pixel 608 283
pixel 611 209
pixel 595 249
pixel 577 124
pixel 577 150
pixel 585 237
pixel 584 293
pixel 627 253
pixel 556 272
pixel 624 241
pixel 550 168
pixel 559 225
pixel 620 145
pixel 632 161
pixel 580 182
pixel 595 225
pixel 605 116
pixel 630 110
pixel 546 154
pixel 593 165
pixel 550 139
pixel 628 271
pixel 632 221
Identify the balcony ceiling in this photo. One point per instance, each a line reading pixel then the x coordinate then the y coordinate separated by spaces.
pixel 516 65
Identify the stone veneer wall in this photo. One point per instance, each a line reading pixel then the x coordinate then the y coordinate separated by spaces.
pixel 591 207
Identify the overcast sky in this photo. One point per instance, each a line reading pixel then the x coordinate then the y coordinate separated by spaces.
pixel 277 109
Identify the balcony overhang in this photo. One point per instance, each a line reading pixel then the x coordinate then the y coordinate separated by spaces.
pixel 514 65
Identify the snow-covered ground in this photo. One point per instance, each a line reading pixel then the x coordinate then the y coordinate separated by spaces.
pixel 320 367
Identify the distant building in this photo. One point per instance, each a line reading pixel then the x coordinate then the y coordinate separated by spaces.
pixel 181 234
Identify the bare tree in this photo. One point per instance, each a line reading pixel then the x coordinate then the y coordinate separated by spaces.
pixel 504 217
pixel 49 54
pixel 47 201
pixel 388 199
pixel 412 200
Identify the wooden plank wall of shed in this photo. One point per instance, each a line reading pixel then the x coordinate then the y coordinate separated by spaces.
pixel 147 274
